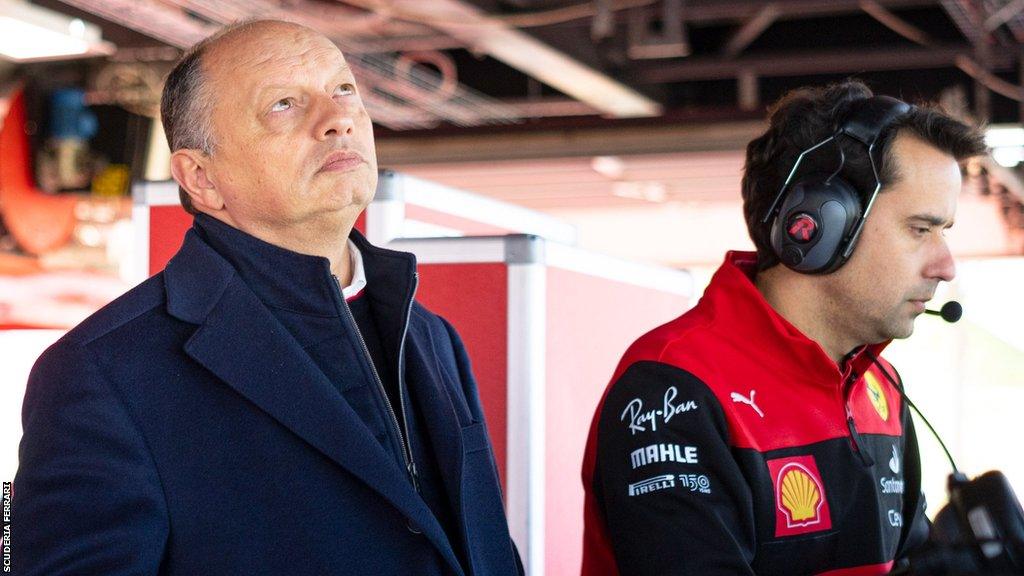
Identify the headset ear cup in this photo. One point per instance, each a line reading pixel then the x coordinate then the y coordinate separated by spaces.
pixel 810 231
pixel 845 204
pixel 791 256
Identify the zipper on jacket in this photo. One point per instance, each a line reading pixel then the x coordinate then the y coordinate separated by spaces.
pixel 855 439
pixel 410 464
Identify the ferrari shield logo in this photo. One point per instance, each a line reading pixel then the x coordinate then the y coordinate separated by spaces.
pixel 874 391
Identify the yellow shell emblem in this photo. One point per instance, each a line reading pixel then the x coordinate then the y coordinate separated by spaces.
pixel 877 397
pixel 800 495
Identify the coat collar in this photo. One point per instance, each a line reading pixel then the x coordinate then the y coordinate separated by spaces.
pixel 241 342
pixel 280 278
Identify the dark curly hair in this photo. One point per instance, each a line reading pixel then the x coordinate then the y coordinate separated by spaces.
pixel 806 116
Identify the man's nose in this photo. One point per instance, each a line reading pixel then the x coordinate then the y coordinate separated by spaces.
pixel 333 119
pixel 941 265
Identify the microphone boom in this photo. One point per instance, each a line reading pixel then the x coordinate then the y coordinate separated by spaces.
pixel 951 311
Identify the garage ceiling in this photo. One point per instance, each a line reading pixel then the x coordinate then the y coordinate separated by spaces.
pixel 458 64
pixel 574 103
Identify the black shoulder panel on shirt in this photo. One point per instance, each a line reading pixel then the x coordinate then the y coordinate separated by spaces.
pixel 673 496
pixel 651 395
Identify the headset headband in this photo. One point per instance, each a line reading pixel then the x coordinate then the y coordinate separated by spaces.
pixel 864 122
pixel 868 118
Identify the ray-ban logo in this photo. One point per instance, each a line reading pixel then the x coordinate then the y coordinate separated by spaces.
pixel 637 419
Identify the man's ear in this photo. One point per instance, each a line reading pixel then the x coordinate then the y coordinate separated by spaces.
pixel 191 170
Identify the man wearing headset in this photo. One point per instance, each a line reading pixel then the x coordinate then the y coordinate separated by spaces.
pixel 760 432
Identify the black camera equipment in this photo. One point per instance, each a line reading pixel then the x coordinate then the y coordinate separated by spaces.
pixel 980 531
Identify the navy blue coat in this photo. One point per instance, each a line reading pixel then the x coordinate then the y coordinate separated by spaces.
pixel 183 430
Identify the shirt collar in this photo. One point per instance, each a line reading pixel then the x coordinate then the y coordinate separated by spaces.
pixel 358 284
pixel 740 310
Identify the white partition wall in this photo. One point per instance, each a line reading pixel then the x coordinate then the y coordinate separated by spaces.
pixel 409 207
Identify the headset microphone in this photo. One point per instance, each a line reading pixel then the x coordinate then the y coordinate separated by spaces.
pixel 951 311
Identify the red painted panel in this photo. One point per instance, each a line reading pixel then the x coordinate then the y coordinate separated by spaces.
pixel 474 298
pixel 167 227
pixel 361 222
pixel 591 322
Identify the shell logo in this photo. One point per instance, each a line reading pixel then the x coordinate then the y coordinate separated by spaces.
pixel 876 396
pixel 801 503
pixel 799 496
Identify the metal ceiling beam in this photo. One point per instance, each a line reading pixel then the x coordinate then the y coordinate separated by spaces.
pixel 988 81
pixel 1000 9
pixel 671 41
pixel 549 107
pixel 750 30
pixel 355 31
pixel 893 22
pixel 967 21
pixel 567 142
pixel 714 11
pixel 531 56
pixel 1004 14
pixel 395 98
pixel 154 19
pixel 816 62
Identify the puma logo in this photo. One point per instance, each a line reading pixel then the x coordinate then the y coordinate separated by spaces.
pixel 737 397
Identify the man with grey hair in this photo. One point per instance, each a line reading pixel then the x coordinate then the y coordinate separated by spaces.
pixel 275 401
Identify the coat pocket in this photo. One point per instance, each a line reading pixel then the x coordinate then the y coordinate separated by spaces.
pixel 486 530
pixel 474 438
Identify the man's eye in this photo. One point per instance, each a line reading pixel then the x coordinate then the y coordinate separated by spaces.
pixel 921 230
pixel 281 105
pixel 344 90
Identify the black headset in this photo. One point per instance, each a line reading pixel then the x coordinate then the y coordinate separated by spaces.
pixel 815 223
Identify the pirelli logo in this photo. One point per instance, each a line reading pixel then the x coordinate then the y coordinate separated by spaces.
pixel 693 482
pixel 652 484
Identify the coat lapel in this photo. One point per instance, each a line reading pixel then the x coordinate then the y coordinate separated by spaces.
pixel 241 342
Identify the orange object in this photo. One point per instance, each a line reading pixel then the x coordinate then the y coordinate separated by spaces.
pixel 39 222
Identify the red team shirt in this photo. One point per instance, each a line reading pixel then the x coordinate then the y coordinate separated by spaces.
pixel 730 443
